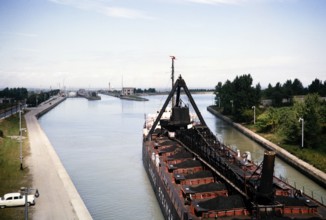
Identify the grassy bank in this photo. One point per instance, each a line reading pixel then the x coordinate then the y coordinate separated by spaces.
pixel 11 177
pixel 315 157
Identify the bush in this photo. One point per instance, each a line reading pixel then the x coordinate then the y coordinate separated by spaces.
pixel 247 116
pixel 268 121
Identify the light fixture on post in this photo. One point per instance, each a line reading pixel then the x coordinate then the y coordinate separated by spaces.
pixel 232 104
pixel 25 191
pixel 254 107
pixel 20 139
pixel 302 130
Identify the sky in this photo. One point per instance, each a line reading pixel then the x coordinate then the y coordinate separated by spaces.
pixel 97 43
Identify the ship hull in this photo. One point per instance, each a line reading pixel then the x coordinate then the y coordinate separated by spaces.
pixel 163 198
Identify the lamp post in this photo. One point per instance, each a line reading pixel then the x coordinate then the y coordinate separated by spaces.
pixel 302 130
pixel 254 107
pixel 25 191
pixel 232 104
pixel 20 140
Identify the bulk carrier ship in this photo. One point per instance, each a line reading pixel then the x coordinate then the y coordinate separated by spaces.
pixel 194 176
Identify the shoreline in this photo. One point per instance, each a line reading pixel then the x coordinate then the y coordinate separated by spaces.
pixel 317 175
pixel 59 198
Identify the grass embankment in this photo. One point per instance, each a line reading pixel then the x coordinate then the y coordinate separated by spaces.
pixel 315 157
pixel 11 177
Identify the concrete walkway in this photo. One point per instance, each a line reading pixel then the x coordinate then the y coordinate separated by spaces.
pixel 59 198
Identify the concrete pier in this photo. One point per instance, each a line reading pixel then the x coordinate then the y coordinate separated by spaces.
pixel 59 198
pixel 307 169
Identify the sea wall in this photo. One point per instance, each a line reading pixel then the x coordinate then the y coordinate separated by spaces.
pixel 307 169
pixel 59 198
pixel 52 104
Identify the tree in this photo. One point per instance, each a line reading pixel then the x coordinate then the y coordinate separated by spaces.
pixel 289 127
pixel 312 119
pixel 237 96
pixel 35 99
pixel 139 91
pixel 288 92
pixel 297 87
pixel 218 89
pixel 258 93
pixel 245 95
pixel 268 92
pixel 316 87
pixel 323 91
pixel 150 90
pixel 277 95
pixel 322 112
pixel 32 100
pixel 268 121
pixel 225 93
pixel 14 93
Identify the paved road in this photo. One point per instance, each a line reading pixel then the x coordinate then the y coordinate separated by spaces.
pixel 59 198
pixel 10 112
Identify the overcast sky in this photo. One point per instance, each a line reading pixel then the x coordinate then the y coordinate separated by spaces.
pixel 91 43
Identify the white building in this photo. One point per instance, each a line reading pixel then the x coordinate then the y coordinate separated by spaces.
pixel 127 91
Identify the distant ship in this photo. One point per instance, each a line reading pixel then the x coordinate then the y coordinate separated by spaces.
pixel 194 176
pixel 90 95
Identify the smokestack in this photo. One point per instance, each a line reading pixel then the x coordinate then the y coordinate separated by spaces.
pixel 265 194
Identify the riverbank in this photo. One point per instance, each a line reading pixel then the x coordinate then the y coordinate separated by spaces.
pixel 59 198
pixel 133 98
pixel 307 169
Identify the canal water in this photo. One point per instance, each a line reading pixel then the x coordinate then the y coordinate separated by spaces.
pixel 100 145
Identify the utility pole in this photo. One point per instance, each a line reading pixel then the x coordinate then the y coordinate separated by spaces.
pixel 254 108
pixel 25 191
pixel 302 131
pixel 20 138
pixel 232 104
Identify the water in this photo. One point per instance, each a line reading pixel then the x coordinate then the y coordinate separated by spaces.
pixel 100 143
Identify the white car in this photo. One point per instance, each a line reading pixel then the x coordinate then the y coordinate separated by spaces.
pixel 16 199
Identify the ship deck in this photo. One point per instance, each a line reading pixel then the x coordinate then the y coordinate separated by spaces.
pixel 181 187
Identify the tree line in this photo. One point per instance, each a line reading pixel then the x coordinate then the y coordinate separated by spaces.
pixel 14 93
pixel 239 99
pixel 237 96
pixel 22 94
pixel 150 90
pixel 282 94
pixel 34 99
